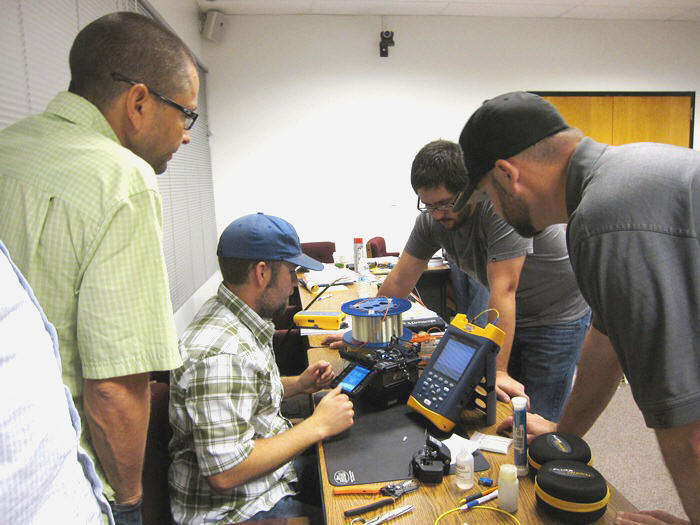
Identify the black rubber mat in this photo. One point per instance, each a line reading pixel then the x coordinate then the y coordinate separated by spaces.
pixel 379 447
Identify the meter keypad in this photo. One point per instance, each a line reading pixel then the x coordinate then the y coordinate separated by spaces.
pixel 435 388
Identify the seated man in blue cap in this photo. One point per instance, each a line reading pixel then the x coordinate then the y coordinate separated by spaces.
pixel 233 452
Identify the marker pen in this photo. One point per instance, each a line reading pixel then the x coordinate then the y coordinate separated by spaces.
pixel 479 501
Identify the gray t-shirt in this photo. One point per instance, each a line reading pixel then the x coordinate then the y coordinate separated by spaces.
pixel 547 292
pixel 634 223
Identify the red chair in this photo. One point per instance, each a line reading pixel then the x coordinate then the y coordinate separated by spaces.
pixel 321 251
pixel 376 247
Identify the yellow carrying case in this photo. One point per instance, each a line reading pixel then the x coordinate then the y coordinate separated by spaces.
pixel 571 491
pixel 557 445
pixel 320 320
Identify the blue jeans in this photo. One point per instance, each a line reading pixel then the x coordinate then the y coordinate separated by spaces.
pixel 307 502
pixel 471 297
pixel 126 514
pixel 543 358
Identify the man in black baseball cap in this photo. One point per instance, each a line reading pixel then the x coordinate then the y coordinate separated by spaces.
pixel 234 456
pixel 501 128
pixel 633 215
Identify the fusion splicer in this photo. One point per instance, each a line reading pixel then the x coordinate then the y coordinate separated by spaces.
pixel 464 359
pixel 383 376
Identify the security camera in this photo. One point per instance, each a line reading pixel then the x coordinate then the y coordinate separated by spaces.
pixel 387 39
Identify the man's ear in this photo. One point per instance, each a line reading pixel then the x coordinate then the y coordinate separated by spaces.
pixel 261 273
pixel 507 174
pixel 138 104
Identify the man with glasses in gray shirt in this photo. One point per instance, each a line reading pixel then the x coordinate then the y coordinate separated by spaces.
pixel 530 281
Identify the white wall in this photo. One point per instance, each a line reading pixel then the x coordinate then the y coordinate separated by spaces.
pixel 310 124
pixel 183 17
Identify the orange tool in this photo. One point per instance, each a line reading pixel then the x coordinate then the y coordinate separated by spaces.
pixel 391 493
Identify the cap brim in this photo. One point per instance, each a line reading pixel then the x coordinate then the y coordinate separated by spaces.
pixel 463 198
pixel 305 261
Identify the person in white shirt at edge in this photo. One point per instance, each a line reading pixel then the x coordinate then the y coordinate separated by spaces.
pixel 45 477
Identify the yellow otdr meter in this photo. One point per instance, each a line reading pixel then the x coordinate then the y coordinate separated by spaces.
pixel 465 356
pixel 320 320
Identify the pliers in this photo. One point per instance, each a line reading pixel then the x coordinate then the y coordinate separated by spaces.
pixel 391 493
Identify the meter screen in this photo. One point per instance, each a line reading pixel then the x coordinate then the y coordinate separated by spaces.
pixel 354 378
pixel 454 359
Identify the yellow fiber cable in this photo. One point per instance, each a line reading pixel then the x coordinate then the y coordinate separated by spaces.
pixel 478 507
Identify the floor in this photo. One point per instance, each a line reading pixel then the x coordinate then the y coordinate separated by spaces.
pixel 625 451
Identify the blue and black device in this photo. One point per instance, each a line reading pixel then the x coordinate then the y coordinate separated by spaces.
pixel 464 359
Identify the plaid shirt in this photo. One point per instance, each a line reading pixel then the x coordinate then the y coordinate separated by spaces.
pixel 226 395
pixel 81 216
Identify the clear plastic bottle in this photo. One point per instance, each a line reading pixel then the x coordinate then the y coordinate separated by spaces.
pixel 464 469
pixel 520 435
pixel 357 252
pixel 508 488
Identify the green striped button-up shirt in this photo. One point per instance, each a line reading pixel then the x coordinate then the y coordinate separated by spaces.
pixel 227 394
pixel 81 217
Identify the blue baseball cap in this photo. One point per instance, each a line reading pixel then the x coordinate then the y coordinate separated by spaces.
pixel 265 238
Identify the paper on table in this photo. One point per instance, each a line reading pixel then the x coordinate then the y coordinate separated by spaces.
pixel 496 444
pixel 457 443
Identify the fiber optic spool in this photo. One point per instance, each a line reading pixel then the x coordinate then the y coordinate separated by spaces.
pixel 375 320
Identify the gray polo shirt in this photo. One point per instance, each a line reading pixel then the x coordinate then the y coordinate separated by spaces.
pixel 547 292
pixel 634 218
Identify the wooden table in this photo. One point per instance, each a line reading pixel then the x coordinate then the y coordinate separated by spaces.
pixel 432 500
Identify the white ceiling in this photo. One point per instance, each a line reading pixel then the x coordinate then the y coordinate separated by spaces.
pixel 591 9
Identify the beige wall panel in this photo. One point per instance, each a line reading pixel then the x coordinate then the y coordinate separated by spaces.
pixel 651 119
pixel 592 115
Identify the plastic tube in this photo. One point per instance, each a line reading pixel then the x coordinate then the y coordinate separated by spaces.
pixel 520 435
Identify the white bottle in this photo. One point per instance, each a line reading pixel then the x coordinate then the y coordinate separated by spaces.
pixel 464 470
pixel 357 255
pixel 508 488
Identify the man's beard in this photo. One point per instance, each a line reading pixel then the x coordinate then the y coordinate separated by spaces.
pixel 264 307
pixel 268 310
pixel 453 224
pixel 515 212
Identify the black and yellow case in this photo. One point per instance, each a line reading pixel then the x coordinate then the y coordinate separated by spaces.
pixel 557 445
pixel 571 491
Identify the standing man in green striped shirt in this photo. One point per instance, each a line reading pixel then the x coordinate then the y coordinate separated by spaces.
pixel 81 214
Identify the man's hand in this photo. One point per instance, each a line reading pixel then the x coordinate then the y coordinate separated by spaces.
pixel 536 425
pixel 507 387
pixel 334 413
pixel 649 517
pixel 333 341
pixel 315 377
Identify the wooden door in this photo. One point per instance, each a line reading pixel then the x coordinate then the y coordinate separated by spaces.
pixel 592 115
pixel 652 119
pixel 621 118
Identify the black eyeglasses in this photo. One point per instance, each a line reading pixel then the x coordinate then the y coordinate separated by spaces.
pixel 190 116
pixel 430 208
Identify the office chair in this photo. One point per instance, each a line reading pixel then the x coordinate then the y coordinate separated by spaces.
pixel 321 251
pixel 155 509
pixel 376 247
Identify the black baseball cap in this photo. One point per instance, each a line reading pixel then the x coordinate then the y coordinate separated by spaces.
pixel 265 238
pixel 502 127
